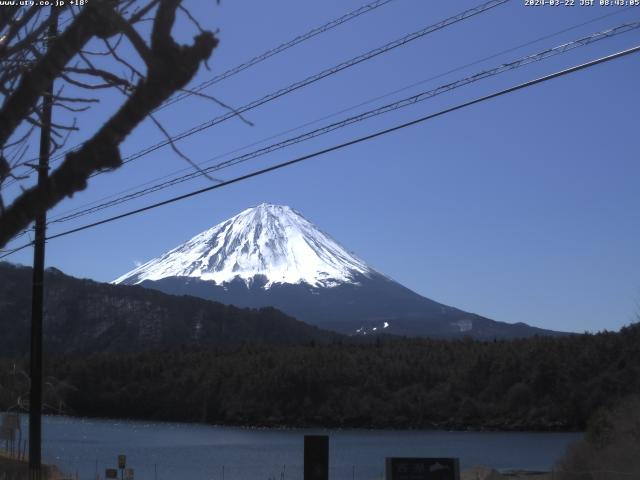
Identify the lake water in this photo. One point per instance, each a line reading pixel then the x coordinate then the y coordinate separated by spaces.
pixel 164 451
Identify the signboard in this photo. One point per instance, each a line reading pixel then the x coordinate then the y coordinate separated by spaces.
pixel 111 473
pixel 122 461
pixel 128 474
pixel 316 457
pixel 422 469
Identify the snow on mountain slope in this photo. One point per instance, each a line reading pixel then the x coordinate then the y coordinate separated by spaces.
pixel 270 240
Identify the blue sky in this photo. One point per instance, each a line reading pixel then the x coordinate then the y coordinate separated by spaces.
pixel 521 209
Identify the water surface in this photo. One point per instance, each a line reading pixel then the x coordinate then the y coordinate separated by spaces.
pixel 158 450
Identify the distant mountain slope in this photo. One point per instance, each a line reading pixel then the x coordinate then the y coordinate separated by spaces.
pixel 373 306
pixel 86 316
pixel 270 255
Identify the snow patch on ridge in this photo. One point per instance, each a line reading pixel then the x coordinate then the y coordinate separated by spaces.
pixel 270 240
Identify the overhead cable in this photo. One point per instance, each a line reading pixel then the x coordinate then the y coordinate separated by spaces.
pixel 274 51
pixel 420 97
pixel 340 146
pixel 315 78
pixel 259 58
pixel 353 107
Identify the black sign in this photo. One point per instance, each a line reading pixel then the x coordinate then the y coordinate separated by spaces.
pixel 111 473
pixel 316 457
pixel 422 469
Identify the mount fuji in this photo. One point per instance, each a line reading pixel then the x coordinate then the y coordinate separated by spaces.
pixel 270 255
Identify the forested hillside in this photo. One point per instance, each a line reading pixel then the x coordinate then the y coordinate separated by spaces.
pixel 87 316
pixel 540 383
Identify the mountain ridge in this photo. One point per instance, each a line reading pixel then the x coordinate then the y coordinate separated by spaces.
pixel 270 255
pixel 377 306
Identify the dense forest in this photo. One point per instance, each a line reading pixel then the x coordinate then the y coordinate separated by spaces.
pixel 539 383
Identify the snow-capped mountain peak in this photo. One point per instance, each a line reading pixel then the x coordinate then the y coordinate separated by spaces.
pixel 273 241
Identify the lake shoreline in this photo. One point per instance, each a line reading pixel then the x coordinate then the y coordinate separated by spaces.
pixel 440 427
pixel 197 451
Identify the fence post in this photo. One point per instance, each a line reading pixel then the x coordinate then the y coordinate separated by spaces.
pixel 316 457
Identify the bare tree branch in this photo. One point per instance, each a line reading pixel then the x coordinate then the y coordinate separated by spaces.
pixel 112 49
pixel 109 78
pixel 91 21
pixel 169 68
pixel 173 146
pixel 220 103
pixel 143 11
pixel 192 18
pixel 14 28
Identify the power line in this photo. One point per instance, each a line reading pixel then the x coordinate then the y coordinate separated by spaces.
pixel 260 58
pixel 355 141
pixel 314 78
pixel 353 107
pixel 484 59
pixel 274 51
pixel 6 253
pixel 595 19
pixel 422 96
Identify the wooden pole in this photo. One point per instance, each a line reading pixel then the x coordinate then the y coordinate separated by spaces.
pixel 35 398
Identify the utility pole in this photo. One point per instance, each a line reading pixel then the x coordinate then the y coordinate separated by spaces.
pixel 37 296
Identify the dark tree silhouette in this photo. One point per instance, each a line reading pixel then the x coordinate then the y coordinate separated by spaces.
pixel 30 60
pixel 395 383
